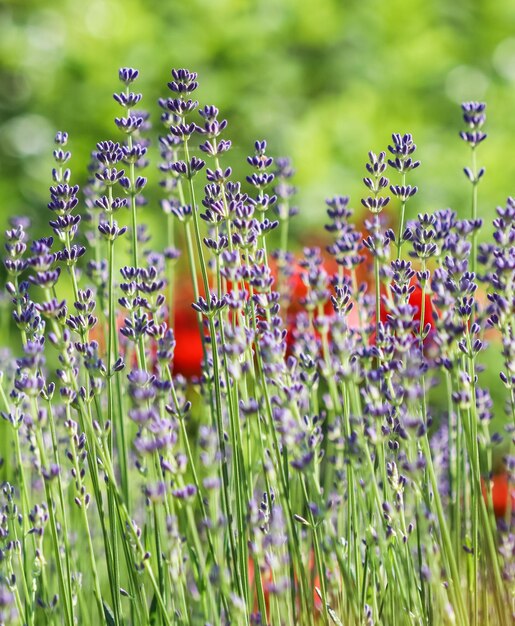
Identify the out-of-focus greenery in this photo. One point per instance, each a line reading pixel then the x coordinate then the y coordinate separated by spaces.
pixel 324 81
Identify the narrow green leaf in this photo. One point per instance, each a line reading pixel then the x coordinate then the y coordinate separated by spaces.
pixel 108 614
pixel 153 615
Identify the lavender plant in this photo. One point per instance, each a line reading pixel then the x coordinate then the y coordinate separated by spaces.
pixel 330 463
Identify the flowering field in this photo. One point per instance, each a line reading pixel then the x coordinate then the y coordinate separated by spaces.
pixel 230 431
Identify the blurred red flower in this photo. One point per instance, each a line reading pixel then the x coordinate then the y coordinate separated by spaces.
pixel 503 494
pixel 415 300
pixel 188 351
pixel 267 582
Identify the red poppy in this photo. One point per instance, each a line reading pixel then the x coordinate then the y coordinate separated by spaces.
pixel 188 352
pixel 415 300
pixel 503 494
pixel 267 580
pixel 299 291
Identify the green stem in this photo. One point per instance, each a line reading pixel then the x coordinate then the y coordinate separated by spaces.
pixel 64 585
pixel 91 552
pixel 378 295
pixel 196 481
pixel 454 582
pixel 318 554
pixel 223 451
pixel 473 253
pixel 401 223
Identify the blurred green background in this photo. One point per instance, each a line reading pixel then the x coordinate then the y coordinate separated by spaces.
pixel 324 81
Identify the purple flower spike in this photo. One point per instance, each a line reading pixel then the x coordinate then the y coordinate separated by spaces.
pixel 127 75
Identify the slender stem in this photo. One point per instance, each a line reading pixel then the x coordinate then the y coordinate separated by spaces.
pixel 479 503
pixel 284 481
pixel 318 554
pixel 68 555
pixel 473 254
pixel 110 394
pixel 196 480
pixel 377 282
pixel 171 269
pixel 132 194
pixel 221 442
pixel 196 224
pixel 454 583
pixel 422 305
pixel 64 584
pixel 91 552
pixel 86 418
